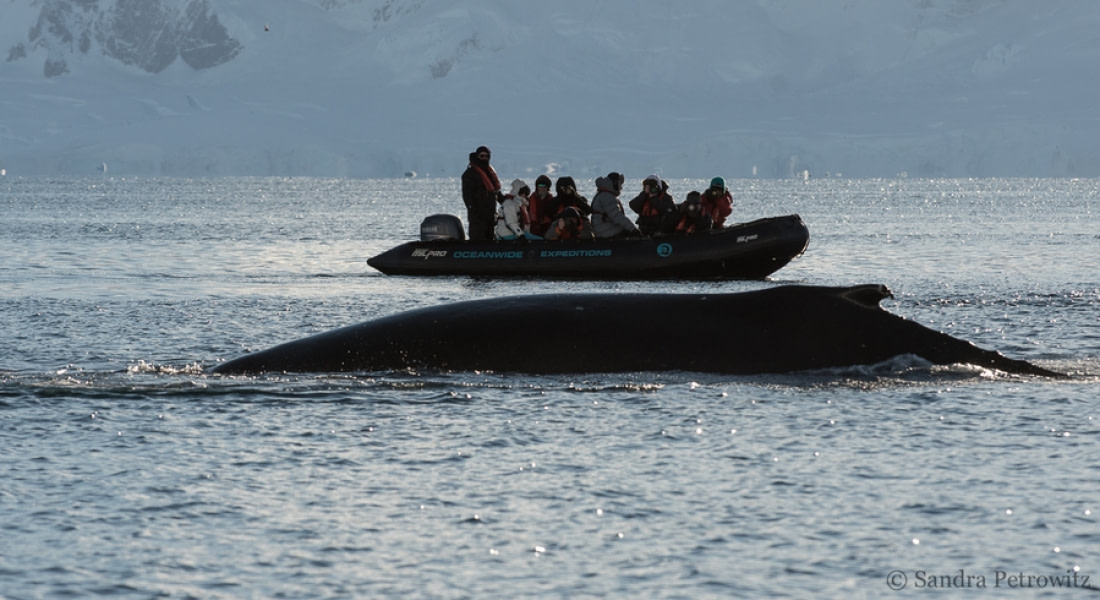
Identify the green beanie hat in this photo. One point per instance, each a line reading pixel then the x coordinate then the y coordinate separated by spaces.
pixel 718 182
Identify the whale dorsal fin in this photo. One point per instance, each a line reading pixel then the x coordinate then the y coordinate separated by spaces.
pixel 868 295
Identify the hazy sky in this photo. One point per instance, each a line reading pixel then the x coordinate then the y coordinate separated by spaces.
pixel 773 88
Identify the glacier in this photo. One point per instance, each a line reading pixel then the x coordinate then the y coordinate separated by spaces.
pixel 384 88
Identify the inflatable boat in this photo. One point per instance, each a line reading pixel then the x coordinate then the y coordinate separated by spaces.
pixel 750 250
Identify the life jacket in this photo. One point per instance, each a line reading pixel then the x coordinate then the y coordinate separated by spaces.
pixel 717 207
pixel 524 216
pixel 537 208
pixel 488 177
pixel 686 225
pixel 564 231
pixel 648 208
pixel 693 223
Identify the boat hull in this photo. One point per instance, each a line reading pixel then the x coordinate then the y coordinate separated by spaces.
pixel 751 250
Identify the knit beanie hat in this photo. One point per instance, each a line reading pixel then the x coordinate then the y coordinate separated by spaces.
pixel 718 182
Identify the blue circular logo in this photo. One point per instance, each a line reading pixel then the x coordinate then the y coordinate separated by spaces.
pixel 664 250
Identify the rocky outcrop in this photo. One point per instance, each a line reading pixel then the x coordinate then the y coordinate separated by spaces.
pixel 148 34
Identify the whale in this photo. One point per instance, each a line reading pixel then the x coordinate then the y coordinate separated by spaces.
pixel 779 329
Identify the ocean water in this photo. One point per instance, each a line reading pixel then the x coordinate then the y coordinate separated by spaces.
pixel 126 470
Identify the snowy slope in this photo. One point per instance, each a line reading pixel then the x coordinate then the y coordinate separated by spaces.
pixel 690 88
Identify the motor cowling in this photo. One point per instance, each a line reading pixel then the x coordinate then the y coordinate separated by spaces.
pixel 441 227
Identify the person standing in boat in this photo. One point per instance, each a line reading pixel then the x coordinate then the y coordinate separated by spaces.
pixel 654 205
pixel 568 196
pixel 514 222
pixel 609 220
pixel 480 194
pixel 543 206
pixel 690 217
pixel 717 202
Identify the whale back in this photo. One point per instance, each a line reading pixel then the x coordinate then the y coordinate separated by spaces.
pixel 781 329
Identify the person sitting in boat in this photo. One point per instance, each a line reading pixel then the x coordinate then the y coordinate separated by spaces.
pixel 654 205
pixel 609 220
pixel 717 202
pixel 542 206
pixel 513 220
pixel 568 196
pixel 480 194
pixel 690 217
pixel 570 224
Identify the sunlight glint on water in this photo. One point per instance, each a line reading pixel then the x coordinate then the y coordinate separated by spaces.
pixel 128 471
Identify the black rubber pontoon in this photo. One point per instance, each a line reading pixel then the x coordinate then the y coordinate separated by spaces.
pixel 751 250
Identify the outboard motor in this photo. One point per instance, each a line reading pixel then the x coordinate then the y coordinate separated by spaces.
pixel 441 227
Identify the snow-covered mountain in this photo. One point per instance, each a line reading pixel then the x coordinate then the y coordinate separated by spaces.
pixel 689 88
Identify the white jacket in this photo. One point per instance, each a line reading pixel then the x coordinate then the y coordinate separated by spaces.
pixel 512 213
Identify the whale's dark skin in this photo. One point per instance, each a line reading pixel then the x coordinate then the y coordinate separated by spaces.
pixel 775 330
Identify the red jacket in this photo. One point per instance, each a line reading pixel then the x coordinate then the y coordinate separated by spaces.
pixel 542 212
pixel 717 207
